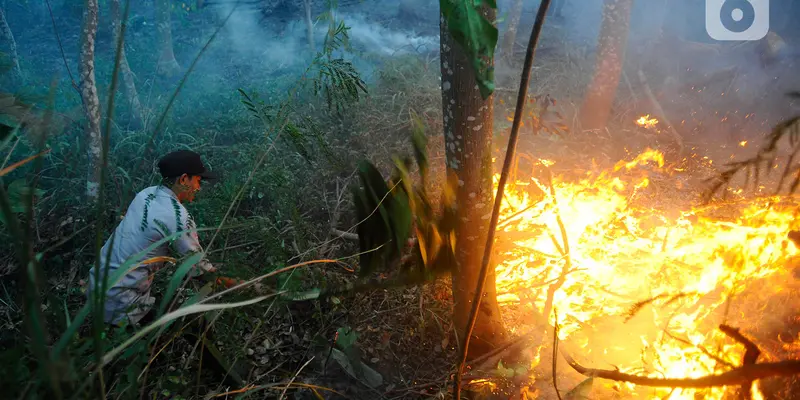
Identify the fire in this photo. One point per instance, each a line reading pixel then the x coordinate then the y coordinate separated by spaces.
pixel 646 121
pixel 626 247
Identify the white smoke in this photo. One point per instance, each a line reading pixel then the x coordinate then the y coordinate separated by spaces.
pixel 248 33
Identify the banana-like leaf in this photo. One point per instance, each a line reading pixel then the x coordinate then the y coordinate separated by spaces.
pixel 477 36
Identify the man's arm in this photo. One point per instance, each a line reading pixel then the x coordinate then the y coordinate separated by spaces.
pixel 188 242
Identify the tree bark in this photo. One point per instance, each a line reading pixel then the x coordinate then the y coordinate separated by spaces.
pixel 309 25
pixel 91 102
pixel 611 46
pixel 167 64
pixel 7 38
pixel 127 76
pixel 468 121
pixel 510 37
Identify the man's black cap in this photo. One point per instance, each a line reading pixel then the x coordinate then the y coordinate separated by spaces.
pixel 182 162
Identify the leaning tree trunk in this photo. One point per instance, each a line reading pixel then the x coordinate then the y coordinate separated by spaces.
pixel 309 25
pixel 127 75
pixel 91 103
pixel 611 46
pixel 510 37
pixel 167 64
pixel 7 38
pixel 468 140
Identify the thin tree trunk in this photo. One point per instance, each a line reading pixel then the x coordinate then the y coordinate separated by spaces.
pixel 468 140
pixel 167 64
pixel 91 102
pixel 7 38
pixel 309 25
pixel 127 76
pixel 611 45
pixel 510 37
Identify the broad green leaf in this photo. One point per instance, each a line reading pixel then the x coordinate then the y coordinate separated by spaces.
pixel 476 35
pixel 580 392
pixel 347 337
pixel 365 373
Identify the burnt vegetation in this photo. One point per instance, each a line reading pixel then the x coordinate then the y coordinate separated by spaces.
pixel 415 201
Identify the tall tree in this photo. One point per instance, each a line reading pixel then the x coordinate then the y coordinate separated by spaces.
pixel 309 25
pixel 468 126
pixel 7 40
pixel 611 45
pixel 510 37
pixel 127 75
pixel 91 102
pixel 167 64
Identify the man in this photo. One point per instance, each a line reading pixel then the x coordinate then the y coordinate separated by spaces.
pixel 155 213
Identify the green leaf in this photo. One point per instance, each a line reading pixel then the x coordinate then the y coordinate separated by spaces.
pixel 176 280
pixel 476 35
pixel 347 337
pixel 420 143
pixel 580 392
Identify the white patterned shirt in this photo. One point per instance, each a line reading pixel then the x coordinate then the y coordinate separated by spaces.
pixel 154 214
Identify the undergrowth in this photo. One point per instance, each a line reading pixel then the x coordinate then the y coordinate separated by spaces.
pixel 286 212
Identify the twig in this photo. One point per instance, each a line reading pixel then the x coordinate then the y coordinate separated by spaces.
pixel 555 353
pixel 294 377
pixel 736 376
pixel 512 145
pixel 63 57
pixel 344 235
pixel 751 354
pixel 742 376
pixel 702 349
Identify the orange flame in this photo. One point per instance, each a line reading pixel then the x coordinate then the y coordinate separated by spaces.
pixel 621 253
pixel 646 121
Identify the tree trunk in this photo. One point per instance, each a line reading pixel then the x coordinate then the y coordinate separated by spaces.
pixel 7 38
pixel 309 25
pixel 510 37
pixel 611 46
pixel 91 103
pixel 167 64
pixel 468 127
pixel 127 76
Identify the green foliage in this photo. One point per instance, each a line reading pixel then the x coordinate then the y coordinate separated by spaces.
pixel 303 134
pixel 18 196
pixel 387 213
pixel 337 78
pixel 384 216
pixel 339 81
pixel 477 36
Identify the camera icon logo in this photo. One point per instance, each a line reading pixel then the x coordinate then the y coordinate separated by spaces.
pixel 737 19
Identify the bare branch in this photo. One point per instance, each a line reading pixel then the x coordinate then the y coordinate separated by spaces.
pixel 734 377
pixel 742 376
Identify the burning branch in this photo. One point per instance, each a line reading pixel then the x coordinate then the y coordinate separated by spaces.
pixel 751 354
pixel 742 376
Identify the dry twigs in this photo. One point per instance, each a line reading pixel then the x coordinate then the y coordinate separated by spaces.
pixel 742 376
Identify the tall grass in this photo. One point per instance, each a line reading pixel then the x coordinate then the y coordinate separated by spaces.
pixel 73 363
